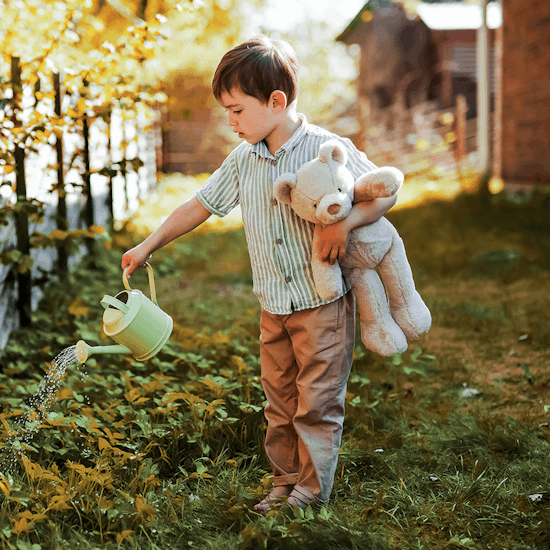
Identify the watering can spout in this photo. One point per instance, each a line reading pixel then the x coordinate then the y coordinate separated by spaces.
pixel 84 350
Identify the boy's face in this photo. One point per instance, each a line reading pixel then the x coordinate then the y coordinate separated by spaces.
pixel 249 117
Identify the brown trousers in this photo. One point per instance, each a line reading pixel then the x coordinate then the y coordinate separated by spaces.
pixel 306 360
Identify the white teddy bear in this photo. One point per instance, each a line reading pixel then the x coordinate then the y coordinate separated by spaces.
pixel 322 192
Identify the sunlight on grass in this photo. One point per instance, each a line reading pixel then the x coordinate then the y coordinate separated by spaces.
pixel 424 183
pixel 173 190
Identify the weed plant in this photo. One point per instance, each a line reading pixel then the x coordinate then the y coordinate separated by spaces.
pixel 445 446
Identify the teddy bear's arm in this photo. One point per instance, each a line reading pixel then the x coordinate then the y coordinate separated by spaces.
pixel 380 182
pixel 327 276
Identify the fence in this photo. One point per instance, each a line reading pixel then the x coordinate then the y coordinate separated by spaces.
pixel 423 129
pixel 60 188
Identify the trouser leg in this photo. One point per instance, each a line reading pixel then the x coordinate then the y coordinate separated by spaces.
pixel 323 340
pixel 306 360
pixel 279 370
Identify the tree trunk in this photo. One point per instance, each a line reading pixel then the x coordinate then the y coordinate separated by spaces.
pixel 24 282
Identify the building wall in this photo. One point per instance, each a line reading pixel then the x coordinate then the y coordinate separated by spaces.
pixel 526 91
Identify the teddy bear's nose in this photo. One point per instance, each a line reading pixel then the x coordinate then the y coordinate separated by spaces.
pixel 333 209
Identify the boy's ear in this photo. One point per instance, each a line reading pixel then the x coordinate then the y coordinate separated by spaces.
pixel 278 100
pixel 283 186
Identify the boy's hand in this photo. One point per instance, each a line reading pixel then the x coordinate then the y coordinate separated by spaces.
pixel 135 258
pixel 333 241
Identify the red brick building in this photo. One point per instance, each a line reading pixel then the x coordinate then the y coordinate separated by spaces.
pixel 523 142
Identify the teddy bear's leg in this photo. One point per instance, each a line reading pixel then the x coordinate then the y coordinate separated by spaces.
pixel 379 332
pixel 327 277
pixel 407 307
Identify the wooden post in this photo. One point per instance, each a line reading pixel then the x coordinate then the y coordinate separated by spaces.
pixel 89 206
pixel 483 93
pixel 24 282
pixel 61 218
pixel 110 185
pixel 124 162
pixel 461 110
pixel 157 135
pixel 497 120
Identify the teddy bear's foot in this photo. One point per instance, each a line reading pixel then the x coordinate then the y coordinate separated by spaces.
pixel 415 319
pixel 384 340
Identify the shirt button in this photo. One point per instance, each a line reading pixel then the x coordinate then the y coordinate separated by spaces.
pixel 274 162
pixel 288 279
pixel 274 202
pixel 279 241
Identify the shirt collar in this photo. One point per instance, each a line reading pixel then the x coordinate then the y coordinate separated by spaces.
pixel 261 149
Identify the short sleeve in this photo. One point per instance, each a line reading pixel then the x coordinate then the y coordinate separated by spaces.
pixel 358 163
pixel 220 193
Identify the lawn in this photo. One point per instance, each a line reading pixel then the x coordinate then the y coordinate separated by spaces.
pixel 444 447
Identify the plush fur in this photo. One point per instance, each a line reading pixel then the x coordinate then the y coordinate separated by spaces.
pixel 323 192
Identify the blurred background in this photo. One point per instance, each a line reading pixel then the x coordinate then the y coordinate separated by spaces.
pixel 102 99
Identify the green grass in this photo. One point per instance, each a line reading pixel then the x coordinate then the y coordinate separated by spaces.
pixel 169 453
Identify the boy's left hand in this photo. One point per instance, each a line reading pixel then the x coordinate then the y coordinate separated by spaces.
pixel 333 241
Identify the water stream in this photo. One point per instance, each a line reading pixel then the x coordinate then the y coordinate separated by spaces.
pixel 35 411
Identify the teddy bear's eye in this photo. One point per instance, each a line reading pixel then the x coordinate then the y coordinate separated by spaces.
pixel 314 206
pixel 339 190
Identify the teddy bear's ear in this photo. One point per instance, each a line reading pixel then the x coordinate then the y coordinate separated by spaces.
pixel 333 150
pixel 282 187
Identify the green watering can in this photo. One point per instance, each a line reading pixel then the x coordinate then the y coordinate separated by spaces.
pixel 134 322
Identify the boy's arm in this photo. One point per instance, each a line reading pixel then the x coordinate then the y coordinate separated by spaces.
pixel 334 237
pixel 183 219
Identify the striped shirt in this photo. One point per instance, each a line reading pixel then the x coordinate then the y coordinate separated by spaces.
pixel 279 242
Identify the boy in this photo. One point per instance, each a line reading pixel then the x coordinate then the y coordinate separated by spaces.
pixel 306 345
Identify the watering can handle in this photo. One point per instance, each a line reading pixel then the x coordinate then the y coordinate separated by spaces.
pixel 117 304
pixel 151 282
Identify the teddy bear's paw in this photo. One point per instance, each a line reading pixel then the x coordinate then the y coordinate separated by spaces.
pixel 414 320
pixel 384 340
pixel 329 286
pixel 328 294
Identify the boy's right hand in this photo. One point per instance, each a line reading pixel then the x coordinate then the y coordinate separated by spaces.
pixel 135 258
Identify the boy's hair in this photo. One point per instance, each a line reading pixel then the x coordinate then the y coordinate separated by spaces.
pixel 258 67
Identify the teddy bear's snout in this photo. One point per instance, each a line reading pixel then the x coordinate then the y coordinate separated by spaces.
pixel 333 208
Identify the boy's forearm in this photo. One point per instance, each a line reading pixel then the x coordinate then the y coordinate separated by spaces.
pixel 183 219
pixel 367 212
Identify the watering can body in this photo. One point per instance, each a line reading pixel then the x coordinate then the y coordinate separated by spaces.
pixel 135 322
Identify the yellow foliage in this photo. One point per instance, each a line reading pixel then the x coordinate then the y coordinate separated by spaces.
pixel 124 535
pixel 236 363
pixel 132 395
pixel 5 486
pixel 78 307
pixel 103 444
pixel 144 510
pixel 60 503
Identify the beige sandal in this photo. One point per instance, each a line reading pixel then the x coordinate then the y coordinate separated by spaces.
pixel 275 499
